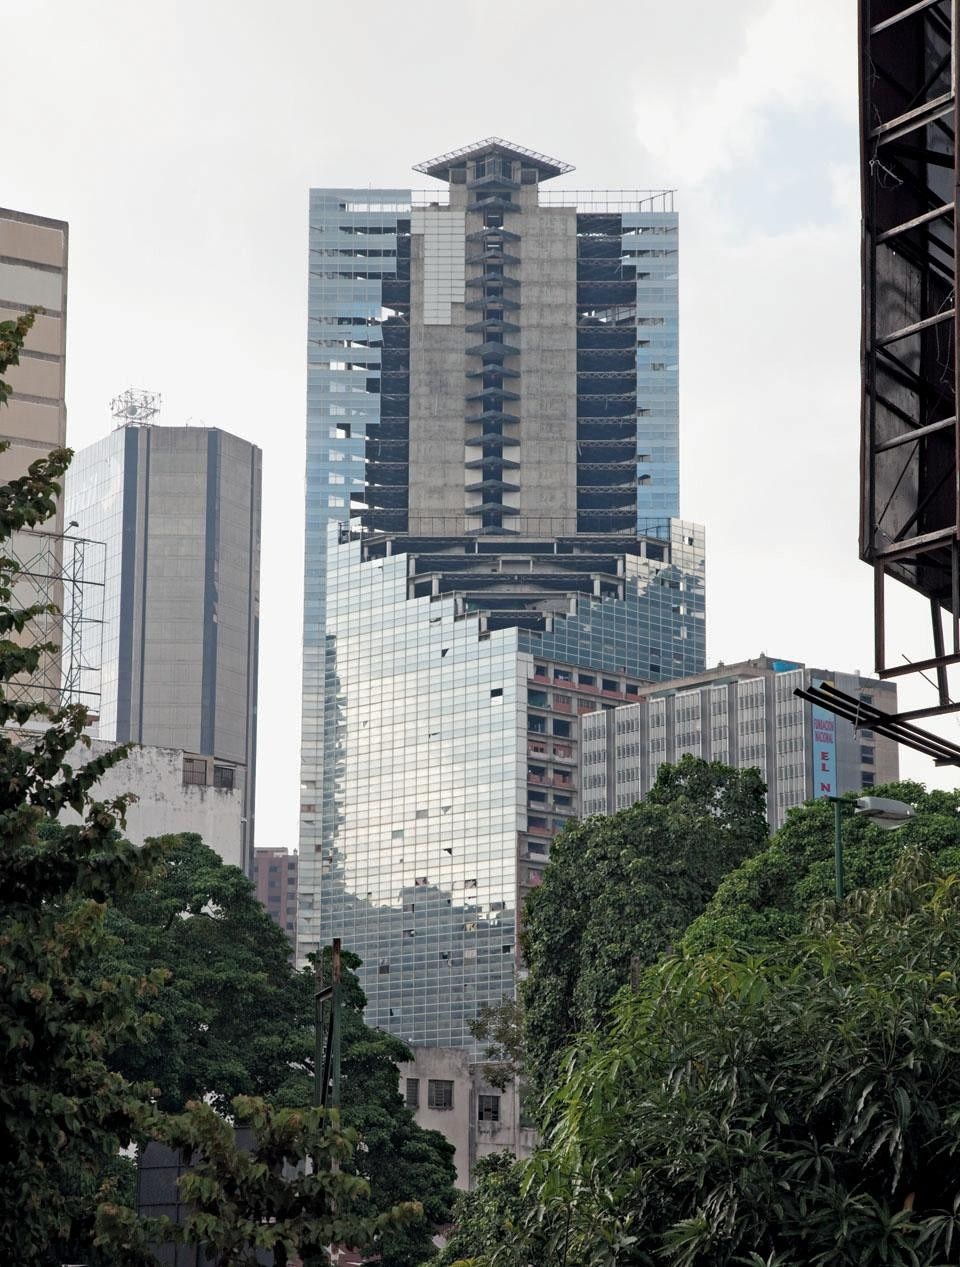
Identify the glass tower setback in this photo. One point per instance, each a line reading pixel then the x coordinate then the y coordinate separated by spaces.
pixel 354 256
pixel 492 480
pixel 412 851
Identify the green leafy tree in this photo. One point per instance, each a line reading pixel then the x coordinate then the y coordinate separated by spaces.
pixel 289 1193
pixel 235 1016
pixel 238 1019
pixel 60 1021
pixel 492 1215
pixel 794 1107
pixel 767 898
pixel 621 889
pixel 500 1028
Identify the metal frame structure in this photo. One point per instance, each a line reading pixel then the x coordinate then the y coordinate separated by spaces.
pixel 490 145
pixel 135 406
pixel 910 496
pixel 864 716
pixel 65 575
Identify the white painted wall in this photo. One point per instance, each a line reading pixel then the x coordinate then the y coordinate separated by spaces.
pixel 165 805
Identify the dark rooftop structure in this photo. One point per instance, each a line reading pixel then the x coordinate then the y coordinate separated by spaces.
pixel 493 147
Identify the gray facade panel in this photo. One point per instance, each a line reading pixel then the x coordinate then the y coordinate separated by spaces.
pixel 179 511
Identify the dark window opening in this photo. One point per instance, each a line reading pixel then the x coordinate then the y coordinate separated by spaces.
pixel 488 1108
pixel 195 771
pixel 412 1093
pixel 439 1093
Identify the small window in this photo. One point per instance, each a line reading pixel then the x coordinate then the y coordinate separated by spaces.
pixel 195 771
pixel 488 1108
pixel 384 967
pixel 562 728
pixel 866 754
pixel 586 679
pixel 411 1095
pixel 223 776
pixel 609 684
pixel 562 675
pixel 496 692
pixel 439 1093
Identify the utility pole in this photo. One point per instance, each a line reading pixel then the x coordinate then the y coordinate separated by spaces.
pixel 326 1055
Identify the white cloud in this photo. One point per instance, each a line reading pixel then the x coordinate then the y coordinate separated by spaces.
pixel 794 56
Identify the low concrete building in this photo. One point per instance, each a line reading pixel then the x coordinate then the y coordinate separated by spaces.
pixel 168 801
pixel 447 1092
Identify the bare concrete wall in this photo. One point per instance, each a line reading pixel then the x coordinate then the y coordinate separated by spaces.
pixel 548 364
pixel 165 804
pixel 437 380
pixel 471 1138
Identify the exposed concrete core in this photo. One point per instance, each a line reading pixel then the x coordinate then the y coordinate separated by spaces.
pixel 436 497
pixel 548 343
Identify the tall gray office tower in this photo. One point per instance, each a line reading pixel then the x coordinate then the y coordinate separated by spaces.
pixel 179 511
pixel 492 545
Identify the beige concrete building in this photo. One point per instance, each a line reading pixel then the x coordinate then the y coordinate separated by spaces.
pixel 33 273
pixel 745 715
pixel 446 1090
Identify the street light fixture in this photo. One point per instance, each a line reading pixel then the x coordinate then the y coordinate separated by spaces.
pixel 881 810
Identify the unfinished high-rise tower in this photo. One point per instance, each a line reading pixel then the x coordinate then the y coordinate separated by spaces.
pixel 492 544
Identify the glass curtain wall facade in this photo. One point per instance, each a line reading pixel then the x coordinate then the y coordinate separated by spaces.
pixel 411 851
pixel 492 420
pixel 359 249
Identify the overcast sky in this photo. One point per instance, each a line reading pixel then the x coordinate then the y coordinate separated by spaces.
pixel 179 139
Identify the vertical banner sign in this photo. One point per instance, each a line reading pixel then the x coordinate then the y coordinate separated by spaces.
pixel 824 731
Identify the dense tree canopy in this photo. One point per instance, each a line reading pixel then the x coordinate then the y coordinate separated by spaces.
pixel 494 1212
pixel 768 896
pixel 237 1020
pixel 621 889
pixel 288 1189
pixel 235 1016
pixel 795 1107
pixel 60 1022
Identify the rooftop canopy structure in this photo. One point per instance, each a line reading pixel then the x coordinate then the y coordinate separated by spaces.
pixel 492 147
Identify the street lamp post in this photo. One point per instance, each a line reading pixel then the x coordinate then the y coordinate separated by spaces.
pixel 881 810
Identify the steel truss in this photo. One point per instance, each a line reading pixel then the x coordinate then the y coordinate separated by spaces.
pixel 65 575
pixel 910 499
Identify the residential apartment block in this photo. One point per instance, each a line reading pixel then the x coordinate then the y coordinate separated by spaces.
pixel 275 877
pixel 745 715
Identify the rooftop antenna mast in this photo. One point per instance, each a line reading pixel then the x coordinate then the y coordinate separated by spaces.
pixel 135 407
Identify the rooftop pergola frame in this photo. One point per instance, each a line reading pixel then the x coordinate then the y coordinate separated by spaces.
pixel 493 146
pixel 910 497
